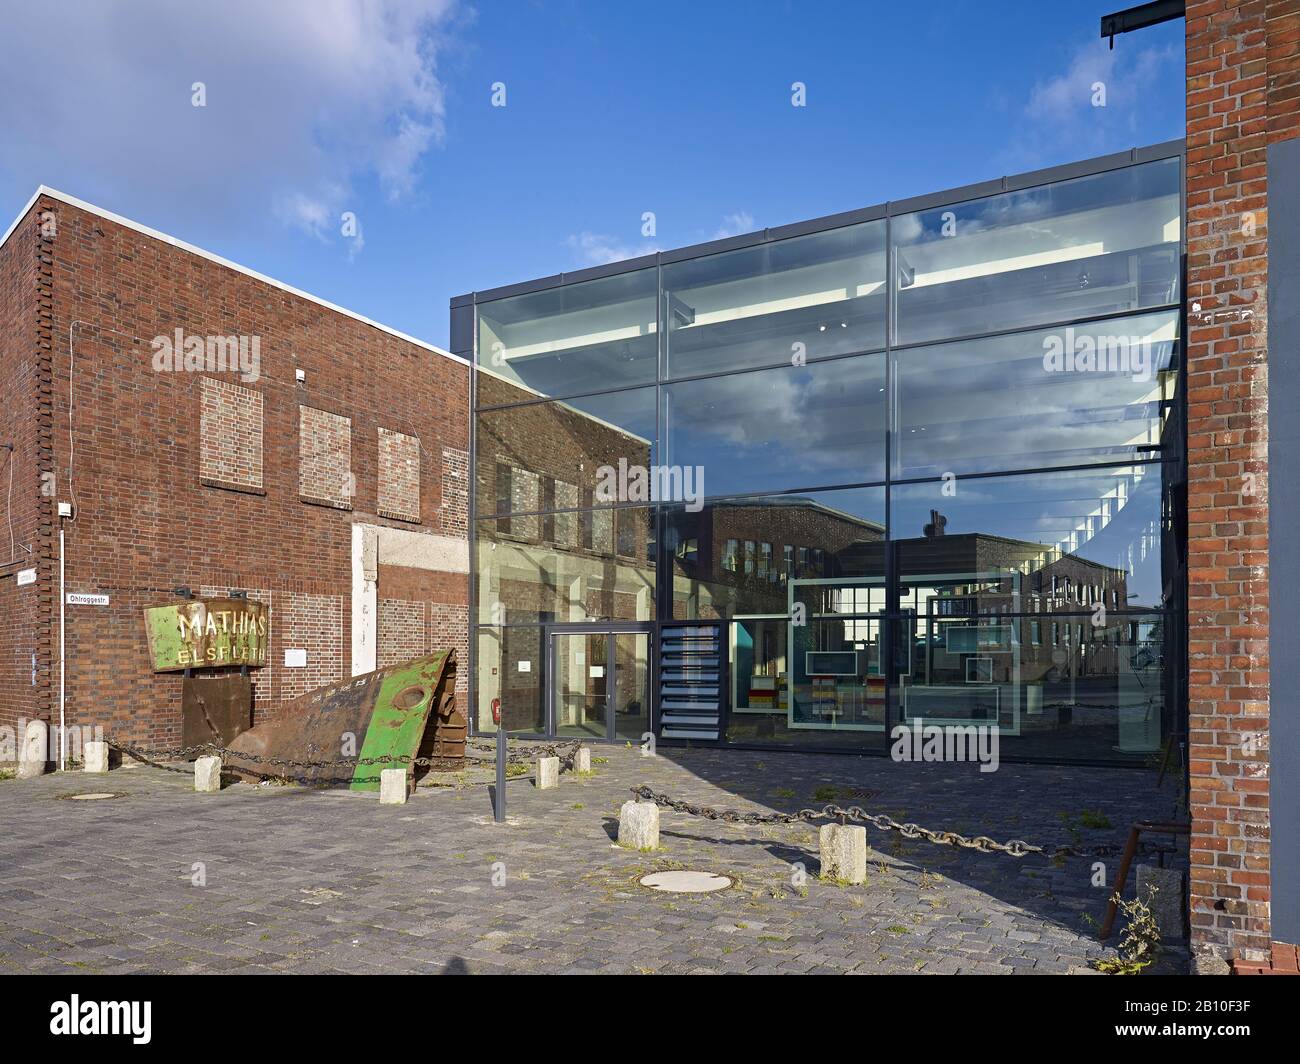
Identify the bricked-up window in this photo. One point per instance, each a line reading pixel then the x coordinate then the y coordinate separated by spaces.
pixel 454 511
pixel 230 436
pixel 548 503
pixel 503 496
pixel 625 533
pixel 399 475
pixel 325 458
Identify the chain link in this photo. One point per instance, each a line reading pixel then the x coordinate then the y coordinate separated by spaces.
pixel 858 815
pixel 566 752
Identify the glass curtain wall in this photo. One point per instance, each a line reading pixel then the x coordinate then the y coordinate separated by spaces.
pixel 925 468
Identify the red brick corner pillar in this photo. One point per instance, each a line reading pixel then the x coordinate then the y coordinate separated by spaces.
pixel 1242 95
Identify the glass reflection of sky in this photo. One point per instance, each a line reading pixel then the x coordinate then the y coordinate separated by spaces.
pixel 1049 509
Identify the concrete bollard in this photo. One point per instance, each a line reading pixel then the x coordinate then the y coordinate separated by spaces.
pixel 393 786
pixel 35 750
pixel 1166 903
pixel 207 775
pixel 96 757
pixel 843 851
pixel 548 773
pixel 582 760
pixel 638 825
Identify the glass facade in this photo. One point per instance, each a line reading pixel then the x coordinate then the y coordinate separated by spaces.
pixel 923 467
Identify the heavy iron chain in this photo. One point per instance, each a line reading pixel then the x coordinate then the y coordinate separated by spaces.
pixel 566 752
pixel 982 843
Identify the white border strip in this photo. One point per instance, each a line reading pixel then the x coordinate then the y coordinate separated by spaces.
pixel 72 201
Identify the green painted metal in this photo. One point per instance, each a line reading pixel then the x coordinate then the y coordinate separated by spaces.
pixel 201 634
pixel 406 710
pixel 401 714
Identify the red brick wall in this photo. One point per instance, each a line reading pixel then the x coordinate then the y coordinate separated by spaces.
pixel 1243 93
pixel 145 524
pixel 24 422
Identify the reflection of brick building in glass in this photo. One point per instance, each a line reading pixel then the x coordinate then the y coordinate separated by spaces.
pixel 546 456
pixel 781 610
pixel 589 563
pixel 737 556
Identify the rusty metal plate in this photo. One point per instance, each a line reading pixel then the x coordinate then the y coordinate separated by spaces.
pixel 215 709
pixel 450 727
pixel 200 634
pixel 399 712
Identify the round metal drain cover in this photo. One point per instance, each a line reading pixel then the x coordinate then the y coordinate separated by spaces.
pixel 685 882
pixel 90 796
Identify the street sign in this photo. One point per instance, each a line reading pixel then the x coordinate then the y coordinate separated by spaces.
pixel 79 598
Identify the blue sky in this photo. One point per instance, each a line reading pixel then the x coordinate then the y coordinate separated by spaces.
pixel 384 109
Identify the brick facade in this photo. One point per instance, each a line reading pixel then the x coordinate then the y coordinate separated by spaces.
pixel 26 537
pixel 1243 93
pixel 148 442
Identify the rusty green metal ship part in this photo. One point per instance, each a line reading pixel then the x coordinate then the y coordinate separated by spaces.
pixel 402 711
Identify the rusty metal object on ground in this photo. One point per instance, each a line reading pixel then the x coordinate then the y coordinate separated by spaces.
pixel 390 716
pixel 216 708
pixel 1126 861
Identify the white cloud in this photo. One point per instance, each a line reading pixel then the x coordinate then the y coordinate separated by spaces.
pixel 304 99
pixel 734 224
pixel 596 249
pixel 1059 121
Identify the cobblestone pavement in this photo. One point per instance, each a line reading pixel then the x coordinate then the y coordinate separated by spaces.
pixel 311 881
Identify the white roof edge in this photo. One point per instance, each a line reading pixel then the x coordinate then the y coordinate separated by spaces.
pixel 73 201
pixel 21 215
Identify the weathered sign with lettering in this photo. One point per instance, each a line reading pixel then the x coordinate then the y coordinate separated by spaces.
pixel 206 634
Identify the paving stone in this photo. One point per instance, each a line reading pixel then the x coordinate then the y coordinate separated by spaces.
pixel 301 881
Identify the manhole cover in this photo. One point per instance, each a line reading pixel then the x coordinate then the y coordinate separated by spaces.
pixel 685 882
pixel 90 796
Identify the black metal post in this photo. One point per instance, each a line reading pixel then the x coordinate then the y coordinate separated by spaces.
pixel 499 805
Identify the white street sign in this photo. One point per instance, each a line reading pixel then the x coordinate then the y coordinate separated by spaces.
pixel 78 598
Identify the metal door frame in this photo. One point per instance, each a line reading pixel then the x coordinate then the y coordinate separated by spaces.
pixel 606 628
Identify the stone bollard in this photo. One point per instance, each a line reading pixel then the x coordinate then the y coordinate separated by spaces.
pixel 638 825
pixel 96 755
pixel 207 775
pixel 843 849
pixel 35 751
pixel 393 786
pixel 1167 902
pixel 582 760
pixel 548 773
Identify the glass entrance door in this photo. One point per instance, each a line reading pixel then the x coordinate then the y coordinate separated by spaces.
pixel 580 666
pixel 600 687
pixel 631 702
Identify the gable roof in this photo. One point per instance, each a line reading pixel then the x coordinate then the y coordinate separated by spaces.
pixel 72 201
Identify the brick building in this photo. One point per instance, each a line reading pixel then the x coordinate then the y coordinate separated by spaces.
pixel 214 430
pixel 1160 497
